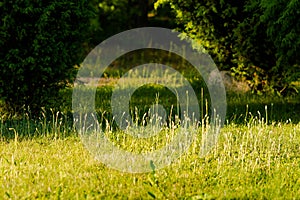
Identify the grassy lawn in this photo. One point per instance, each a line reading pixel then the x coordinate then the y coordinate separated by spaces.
pixel 253 161
pixel 256 157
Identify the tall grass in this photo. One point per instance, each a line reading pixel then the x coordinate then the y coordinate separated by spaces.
pixel 256 156
pixel 53 124
pixel 256 160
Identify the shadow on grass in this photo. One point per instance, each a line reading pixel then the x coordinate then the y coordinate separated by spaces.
pixel 240 109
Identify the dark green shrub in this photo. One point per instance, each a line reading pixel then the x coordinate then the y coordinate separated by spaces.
pixel 257 40
pixel 41 42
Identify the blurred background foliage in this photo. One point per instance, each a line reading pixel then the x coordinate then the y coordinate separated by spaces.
pixel 257 40
pixel 42 42
pixel 114 16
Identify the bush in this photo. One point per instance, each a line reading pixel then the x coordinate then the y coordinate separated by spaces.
pixel 41 42
pixel 257 40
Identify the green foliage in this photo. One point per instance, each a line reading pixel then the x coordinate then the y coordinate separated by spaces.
pixel 267 42
pixel 283 29
pixel 282 19
pixel 257 40
pixel 114 16
pixel 210 23
pixel 41 41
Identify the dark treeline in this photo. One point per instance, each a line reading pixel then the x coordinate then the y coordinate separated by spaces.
pixel 42 42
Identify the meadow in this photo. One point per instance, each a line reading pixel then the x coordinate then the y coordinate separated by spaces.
pixel 256 156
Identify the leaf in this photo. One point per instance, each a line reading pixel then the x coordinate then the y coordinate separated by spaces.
pixel 152 165
pixel 152 195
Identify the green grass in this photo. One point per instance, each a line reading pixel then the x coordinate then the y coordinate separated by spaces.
pixel 254 161
pixel 256 157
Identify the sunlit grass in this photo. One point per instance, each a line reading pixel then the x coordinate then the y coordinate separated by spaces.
pixel 250 161
pixel 256 157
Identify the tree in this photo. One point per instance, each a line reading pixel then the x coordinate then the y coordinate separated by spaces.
pixel 257 40
pixel 114 16
pixel 283 29
pixel 41 41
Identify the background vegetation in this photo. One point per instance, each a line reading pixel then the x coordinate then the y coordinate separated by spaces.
pixel 255 39
pixel 42 45
pixel 42 42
